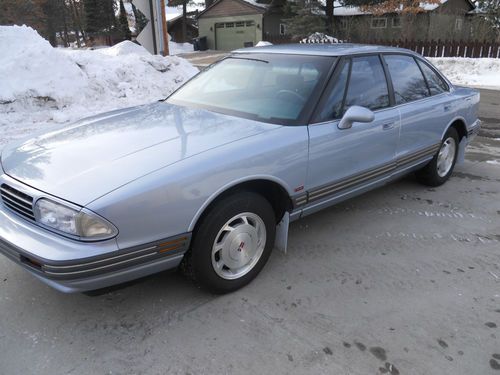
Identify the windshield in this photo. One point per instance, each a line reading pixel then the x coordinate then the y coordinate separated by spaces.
pixel 272 88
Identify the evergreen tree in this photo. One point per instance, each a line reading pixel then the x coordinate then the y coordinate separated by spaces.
pixel 304 18
pixel 140 19
pixel 123 22
pixel 491 8
pixel 99 16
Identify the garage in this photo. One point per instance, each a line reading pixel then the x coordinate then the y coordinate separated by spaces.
pixel 233 35
pixel 233 24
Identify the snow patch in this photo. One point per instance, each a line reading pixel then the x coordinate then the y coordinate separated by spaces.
pixel 470 71
pixel 263 44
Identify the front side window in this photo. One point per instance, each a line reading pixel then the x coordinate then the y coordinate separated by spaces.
pixel 367 84
pixel 436 84
pixel 407 79
pixel 332 106
pixel 271 88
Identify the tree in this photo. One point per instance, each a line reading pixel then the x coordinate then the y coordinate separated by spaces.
pixel 491 10
pixel 379 7
pixel 184 3
pixel 140 19
pixel 305 17
pixel 99 16
pixel 123 22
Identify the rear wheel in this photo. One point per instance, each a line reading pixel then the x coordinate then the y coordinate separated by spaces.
pixel 441 166
pixel 232 242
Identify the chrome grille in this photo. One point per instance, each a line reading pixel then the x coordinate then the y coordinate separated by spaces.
pixel 17 201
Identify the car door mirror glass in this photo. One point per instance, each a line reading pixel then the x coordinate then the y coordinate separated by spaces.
pixel 355 114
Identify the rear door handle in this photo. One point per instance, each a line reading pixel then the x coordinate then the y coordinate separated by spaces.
pixel 447 107
pixel 388 125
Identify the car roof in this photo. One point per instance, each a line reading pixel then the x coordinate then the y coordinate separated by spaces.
pixel 335 49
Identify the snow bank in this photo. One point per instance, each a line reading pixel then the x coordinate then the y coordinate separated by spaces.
pixel 483 72
pixel 177 48
pixel 43 86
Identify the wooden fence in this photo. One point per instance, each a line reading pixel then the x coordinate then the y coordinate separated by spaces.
pixel 439 48
pixel 433 48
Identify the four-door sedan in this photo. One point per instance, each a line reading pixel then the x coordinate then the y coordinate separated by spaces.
pixel 211 177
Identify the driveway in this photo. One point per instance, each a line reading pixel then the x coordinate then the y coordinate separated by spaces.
pixel 402 280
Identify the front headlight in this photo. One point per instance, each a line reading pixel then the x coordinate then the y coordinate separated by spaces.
pixel 75 222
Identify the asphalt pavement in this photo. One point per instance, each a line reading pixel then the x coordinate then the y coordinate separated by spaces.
pixel 402 280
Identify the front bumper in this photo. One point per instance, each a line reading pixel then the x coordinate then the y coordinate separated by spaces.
pixel 72 266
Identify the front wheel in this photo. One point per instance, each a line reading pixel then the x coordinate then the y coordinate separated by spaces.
pixel 441 166
pixel 233 242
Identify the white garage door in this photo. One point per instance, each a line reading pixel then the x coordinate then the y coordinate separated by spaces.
pixel 234 35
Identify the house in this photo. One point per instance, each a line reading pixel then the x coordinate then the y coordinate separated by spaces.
pixel 174 27
pixel 452 20
pixel 232 24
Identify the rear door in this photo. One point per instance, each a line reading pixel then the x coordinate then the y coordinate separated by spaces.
pixel 424 106
pixel 343 160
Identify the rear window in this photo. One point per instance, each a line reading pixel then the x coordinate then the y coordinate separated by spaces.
pixel 407 79
pixel 436 84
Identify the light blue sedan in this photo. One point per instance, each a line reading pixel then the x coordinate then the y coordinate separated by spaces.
pixel 210 178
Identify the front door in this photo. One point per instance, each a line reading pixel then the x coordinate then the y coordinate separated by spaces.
pixel 344 160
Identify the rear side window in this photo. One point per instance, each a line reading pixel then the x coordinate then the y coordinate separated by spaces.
pixel 332 107
pixel 407 79
pixel 436 84
pixel 367 84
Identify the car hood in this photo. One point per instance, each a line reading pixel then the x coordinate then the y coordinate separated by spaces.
pixel 87 160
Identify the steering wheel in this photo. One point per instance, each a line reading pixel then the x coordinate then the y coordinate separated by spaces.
pixel 290 94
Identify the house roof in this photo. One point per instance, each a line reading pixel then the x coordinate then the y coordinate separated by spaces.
pixel 343 11
pixel 260 8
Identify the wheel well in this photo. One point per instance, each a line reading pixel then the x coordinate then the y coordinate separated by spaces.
pixel 461 129
pixel 275 194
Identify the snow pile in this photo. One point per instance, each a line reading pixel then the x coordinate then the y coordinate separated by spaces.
pixel 483 72
pixel 320 38
pixel 42 86
pixel 31 68
pixel 124 48
pixel 263 43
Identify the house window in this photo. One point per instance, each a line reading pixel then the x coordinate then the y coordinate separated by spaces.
pixel 458 24
pixel 396 22
pixel 343 23
pixel 282 29
pixel 379 23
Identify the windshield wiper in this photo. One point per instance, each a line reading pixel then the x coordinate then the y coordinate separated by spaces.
pixel 249 58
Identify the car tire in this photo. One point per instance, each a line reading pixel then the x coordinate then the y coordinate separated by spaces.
pixel 232 242
pixel 441 166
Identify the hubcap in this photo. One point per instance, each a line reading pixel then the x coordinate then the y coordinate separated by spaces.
pixel 446 156
pixel 239 245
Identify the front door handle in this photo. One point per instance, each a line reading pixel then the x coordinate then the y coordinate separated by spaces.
pixel 447 107
pixel 388 125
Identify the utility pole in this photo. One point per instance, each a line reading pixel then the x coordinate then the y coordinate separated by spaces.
pixel 166 52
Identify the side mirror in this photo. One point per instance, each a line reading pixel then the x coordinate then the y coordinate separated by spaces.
pixel 355 114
